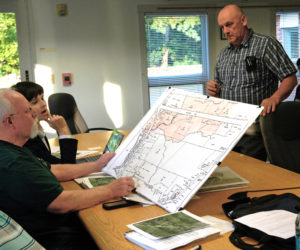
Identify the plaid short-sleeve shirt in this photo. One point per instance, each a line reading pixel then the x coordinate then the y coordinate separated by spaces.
pixel 13 236
pixel 251 72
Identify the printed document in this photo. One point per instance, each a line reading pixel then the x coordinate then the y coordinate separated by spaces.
pixel 280 223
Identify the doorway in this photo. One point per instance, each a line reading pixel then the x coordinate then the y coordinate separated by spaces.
pixel 16 62
pixel 9 54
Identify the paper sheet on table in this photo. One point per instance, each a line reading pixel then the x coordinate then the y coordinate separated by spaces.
pixel 169 225
pixel 278 223
pixel 170 242
pixel 142 239
pixel 223 225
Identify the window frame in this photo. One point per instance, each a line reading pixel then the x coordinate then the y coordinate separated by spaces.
pixel 276 11
pixel 287 30
pixel 26 46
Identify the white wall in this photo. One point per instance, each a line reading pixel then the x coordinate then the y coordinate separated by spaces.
pixel 99 41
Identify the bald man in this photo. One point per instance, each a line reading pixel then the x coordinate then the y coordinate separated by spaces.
pixel 30 187
pixel 248 70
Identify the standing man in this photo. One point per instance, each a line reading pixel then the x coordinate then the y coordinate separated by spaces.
pixel 30 187
pixel 248 70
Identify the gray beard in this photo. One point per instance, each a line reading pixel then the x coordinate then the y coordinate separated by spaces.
pixel 34 129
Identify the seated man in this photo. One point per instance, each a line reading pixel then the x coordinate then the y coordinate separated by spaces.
pixel 13 236
pixel 30 187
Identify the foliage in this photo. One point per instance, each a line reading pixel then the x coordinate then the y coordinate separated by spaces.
pixel 173 40
pixel 9 57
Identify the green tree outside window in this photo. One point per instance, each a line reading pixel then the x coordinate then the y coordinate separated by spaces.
pixel 9 56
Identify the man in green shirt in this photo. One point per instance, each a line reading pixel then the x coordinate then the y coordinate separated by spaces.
pixel 30 188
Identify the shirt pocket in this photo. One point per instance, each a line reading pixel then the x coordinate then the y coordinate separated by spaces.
pixel 252 77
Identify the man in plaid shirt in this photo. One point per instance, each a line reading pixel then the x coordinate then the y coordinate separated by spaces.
pixel 13 236
pixel 248 70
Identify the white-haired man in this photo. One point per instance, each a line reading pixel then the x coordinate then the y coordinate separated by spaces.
pixel 30 188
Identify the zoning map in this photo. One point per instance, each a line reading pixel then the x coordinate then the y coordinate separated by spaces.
pixel 179 143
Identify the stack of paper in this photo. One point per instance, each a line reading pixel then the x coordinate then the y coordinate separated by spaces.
pixel 223 178
pixel 170 231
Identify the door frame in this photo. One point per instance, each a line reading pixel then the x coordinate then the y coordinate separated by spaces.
pixel 27 57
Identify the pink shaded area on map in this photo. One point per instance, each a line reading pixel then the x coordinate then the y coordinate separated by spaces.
pixel 177 126
pixel 207 106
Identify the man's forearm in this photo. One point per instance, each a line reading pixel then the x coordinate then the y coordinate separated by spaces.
pixel 286 87
pixel 74 200
pixel 67 172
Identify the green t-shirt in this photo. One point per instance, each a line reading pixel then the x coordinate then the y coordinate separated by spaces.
pixel 27 187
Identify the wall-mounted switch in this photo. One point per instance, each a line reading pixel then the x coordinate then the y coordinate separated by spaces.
pixel 67 78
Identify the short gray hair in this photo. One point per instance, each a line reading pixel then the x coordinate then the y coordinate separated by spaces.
pixel 5 104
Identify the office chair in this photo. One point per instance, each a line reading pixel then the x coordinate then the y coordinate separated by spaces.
pixel 297 94
pixel 281 135
pixel 65 105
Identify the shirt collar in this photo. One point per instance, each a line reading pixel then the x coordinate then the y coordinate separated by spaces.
pixel 245 43
pixel 41 134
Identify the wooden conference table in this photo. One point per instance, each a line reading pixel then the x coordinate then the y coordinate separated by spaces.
pixel 108 227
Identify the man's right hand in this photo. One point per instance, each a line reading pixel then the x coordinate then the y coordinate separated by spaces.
pixel 121 187
pixel 74 200
pixel 213 88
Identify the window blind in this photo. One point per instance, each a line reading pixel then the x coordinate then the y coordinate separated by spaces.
pixel 288 33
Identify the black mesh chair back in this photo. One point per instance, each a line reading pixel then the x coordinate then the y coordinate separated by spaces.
pixel 65 105
pixel 281 134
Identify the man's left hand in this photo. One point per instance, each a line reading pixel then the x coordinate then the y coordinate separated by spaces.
pixel 104 159
pixel 269 105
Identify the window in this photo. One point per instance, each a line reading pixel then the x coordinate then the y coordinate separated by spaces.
pixel 288 33
pixel 177 53
pixel 9 56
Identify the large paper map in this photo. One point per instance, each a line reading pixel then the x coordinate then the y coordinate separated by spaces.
pixel 179 143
